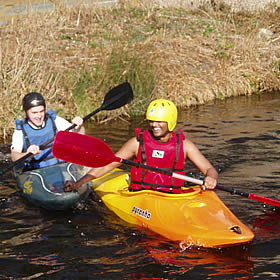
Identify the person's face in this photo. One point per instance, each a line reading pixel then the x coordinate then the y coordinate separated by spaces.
pixel 159 129
pixel 36 115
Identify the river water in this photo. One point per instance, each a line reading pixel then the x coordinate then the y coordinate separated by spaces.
pixel 240 136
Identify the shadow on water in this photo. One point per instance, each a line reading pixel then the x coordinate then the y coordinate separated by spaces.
pixel 239 136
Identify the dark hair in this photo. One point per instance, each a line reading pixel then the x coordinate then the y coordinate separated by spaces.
pixel 33 99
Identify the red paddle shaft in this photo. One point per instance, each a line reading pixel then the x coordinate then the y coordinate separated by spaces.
pixel 92 152
pixel 233 191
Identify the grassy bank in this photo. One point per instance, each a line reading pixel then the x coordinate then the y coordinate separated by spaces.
pixel 74 56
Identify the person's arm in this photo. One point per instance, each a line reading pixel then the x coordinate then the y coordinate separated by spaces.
pixel 127 151
pixel 17 146
pixel 197 158
pixel 79 128
pixel 31 149
pixel 63 124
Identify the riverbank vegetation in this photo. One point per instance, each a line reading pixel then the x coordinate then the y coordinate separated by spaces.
pixel 191 56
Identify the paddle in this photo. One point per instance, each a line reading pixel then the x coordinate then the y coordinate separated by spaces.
pixel 92 152
pixel 115 98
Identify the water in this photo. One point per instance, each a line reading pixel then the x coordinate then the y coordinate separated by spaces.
pixel 239 136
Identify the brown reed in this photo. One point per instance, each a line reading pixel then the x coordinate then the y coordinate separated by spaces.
pixel 189 55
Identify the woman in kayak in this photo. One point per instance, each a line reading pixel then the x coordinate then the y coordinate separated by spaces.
pixel 36 128
pixel 160 147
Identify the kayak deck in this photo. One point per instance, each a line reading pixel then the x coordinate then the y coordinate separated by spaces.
pixel 194 217
pixel 44 187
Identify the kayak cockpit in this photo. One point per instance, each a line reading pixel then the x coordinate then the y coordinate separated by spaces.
pixel 44 187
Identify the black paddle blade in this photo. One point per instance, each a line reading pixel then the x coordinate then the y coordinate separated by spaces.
pixel 118 97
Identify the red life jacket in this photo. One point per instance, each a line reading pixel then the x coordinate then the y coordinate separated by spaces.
pixel 169 155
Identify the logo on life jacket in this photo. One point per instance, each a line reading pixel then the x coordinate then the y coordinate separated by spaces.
pixel 158 154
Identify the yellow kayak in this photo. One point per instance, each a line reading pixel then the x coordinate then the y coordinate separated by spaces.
pixel 194 217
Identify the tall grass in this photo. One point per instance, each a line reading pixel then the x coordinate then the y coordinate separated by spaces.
pixel 191 56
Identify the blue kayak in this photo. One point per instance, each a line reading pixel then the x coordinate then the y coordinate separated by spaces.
pixel 44 187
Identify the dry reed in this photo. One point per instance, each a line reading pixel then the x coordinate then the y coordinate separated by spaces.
pixel 74 56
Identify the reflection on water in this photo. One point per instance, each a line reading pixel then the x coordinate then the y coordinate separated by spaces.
pixel 267 226
pixel 239 136
pixel 200 261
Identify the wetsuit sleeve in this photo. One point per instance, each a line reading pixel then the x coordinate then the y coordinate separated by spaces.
pixel 61 123
pixel 17 141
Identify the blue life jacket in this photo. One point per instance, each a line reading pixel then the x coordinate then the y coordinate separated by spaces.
pixel 38 137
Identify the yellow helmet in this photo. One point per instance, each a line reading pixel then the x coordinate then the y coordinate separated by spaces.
pixel 162 110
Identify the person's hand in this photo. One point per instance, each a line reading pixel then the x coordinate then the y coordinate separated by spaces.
pixel 209 183
pixel 69 186
pixel 33 149
pixel 78 121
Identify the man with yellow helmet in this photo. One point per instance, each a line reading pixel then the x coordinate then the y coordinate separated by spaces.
pixel 161 147
pixel 162 110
